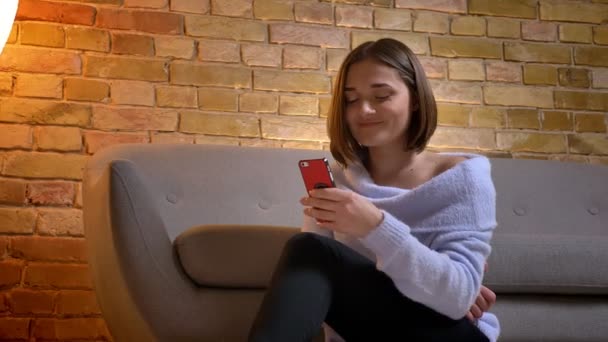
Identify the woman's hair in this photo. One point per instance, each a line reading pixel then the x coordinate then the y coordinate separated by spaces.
pixel 423 121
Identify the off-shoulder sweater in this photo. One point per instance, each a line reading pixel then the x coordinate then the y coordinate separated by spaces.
pixel 434 239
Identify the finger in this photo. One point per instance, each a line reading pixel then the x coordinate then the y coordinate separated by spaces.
pixel 481 303
pixel 476 311
pixel 331 194
pixel 488 295
pixel 470 316
pixel 485 268
pixel 320 214
pixel 319 203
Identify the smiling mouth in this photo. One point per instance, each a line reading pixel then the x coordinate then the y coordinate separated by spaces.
pixel 369 124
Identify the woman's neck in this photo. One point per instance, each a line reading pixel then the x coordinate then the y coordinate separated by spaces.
pixel 387 163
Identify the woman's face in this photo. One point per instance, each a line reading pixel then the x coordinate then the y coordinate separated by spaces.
pixel 378 104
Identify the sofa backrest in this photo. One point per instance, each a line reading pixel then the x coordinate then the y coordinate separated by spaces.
pixel 552 226
pixel 552 216
pixel 216 184
pixel 263 186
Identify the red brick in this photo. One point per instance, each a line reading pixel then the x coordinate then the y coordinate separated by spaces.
pixel 45 165
pixel 540 31
pixel 17 220
pixel 12 191
pixel 95 140
pixel 6 84
pixel 169 46
pixel 51 193
pixel 56 12
pixel 190 6
pixel 3 306
pixel 138 93
pixel 36 85
pixel 14 328
pixel 44 248
pixel 60 222
pixel 65 276
pixel 318 13
pixel 503 72
pixel 434 67
pixel 317 36
pixel 71 329
pixel 232 8
pixel 76 302
pixel 18 58
pixel 134 119
pixel 126 67
pixel 10 272
pixel 172 138
pixel 42 34
pixel 457 6
pixel 156 4
pixel 22 301
pixel 44 112
pixel 354 16
pixel 132 44
pixel 58 138
pixel 144 21
pixel 3 250
pixel 302 57
pixel 224 51
pixel 84 38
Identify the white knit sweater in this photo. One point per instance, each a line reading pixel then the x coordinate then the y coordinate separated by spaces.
pixel 434 239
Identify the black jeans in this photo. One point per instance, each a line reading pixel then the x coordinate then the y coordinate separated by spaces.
pixel 321 280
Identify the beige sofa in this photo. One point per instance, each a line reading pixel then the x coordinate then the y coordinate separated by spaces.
pixel 182 240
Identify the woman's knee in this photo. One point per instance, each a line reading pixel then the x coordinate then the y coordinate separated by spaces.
pixel 305 242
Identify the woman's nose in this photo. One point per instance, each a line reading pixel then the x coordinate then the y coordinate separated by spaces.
pixel 367 108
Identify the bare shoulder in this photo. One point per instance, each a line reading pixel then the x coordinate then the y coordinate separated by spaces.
pixel 444 162
pixel 449 161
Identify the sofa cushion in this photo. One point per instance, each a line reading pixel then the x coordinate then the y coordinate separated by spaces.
pixel 548 264
pixel 552 318
pixel 232 256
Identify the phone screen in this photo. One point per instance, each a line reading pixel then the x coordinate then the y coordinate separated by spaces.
pixel 316 174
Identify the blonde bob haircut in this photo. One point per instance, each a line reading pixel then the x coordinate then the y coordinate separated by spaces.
pixel 423 121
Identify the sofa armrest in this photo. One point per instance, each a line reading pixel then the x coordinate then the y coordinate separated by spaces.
pixel 232 256
pixel 142 290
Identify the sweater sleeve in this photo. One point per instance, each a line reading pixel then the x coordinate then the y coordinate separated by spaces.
pixel 446 274
pixel 446 279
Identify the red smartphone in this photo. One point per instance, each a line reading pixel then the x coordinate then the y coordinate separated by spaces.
pixel 316 174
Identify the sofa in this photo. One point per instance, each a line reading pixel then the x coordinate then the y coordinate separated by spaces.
pixel 182 241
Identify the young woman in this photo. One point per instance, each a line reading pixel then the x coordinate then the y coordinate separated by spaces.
pixel 397 251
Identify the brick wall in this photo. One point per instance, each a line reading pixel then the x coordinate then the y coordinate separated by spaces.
pixel 520 78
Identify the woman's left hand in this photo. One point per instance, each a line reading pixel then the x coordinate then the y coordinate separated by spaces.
pixel 342 211
pixel 485 299
pixel 483 303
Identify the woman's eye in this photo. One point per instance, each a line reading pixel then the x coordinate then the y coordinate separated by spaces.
pixel 383 98
pixel 351 100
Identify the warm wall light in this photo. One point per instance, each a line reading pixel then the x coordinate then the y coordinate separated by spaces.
pixel 8 9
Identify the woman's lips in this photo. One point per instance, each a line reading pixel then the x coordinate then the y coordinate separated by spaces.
pixel 369 124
